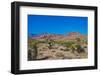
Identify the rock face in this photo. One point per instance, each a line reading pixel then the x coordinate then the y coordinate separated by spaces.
pixel 69 36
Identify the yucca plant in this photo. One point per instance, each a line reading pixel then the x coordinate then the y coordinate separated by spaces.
pixel 32 52
pixel 33 48
pixel 35 51
pixel 50 42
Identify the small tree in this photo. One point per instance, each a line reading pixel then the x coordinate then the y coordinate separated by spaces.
pixel 79 49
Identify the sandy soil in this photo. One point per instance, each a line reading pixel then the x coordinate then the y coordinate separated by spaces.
pixel 58 52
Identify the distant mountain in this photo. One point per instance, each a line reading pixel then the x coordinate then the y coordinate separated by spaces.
pixel 74 35
pixel 69 36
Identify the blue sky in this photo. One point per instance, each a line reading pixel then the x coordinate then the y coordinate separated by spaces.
pixel 38 24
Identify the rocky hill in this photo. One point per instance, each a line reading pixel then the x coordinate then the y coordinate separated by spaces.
pixel 69 36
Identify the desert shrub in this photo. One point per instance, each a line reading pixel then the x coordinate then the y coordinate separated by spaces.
pixel 64 48
pixel 59 42
pixel 68 43
pixel 84 41
pixel 53 51
pixel 43 41
pixel 79 49
pixel 78 39
pixel 59 54
pixel 40 49
pixel 85 46
pixel 40 53
pixel 73 47
pixel 35 51
pixel 32 42
pixel 50 43
pixel 30 57
pixel 44 48
pixel 61 49
pixel 67 49
pixel 32 53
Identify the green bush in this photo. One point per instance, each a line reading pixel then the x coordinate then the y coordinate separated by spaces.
pixel 80 49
